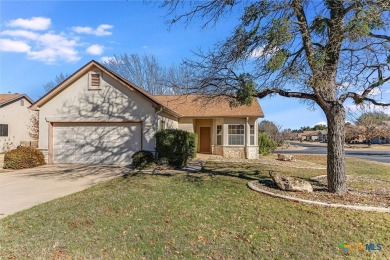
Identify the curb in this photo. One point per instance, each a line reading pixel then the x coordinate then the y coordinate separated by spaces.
pixel 317 203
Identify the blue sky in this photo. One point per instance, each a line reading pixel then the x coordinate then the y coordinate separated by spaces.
pixel 39 40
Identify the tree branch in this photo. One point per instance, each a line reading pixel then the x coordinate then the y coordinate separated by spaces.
pixel 304 28
pixel 365 93
pixel 266 92
pixel 378 36
pixel 359 98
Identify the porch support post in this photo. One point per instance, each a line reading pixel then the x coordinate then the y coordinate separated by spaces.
pixel 247 138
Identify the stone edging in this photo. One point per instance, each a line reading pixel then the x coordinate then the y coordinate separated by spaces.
pixel 324 204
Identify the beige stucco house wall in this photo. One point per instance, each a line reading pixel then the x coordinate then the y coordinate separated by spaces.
pixel 15 114
pixel 76 106
pixel 208 119
pixel 95 116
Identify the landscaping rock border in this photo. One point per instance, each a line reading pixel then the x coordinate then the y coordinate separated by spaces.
pixel 318 203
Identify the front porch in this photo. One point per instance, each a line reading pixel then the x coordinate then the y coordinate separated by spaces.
pixel 227 137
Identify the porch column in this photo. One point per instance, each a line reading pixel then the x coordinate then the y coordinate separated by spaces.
pixel 247 138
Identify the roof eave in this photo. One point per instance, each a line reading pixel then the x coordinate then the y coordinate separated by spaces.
pixel 58 89
pixel 5 103
pixel 216 116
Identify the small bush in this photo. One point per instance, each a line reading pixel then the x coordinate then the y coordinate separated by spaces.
pixel 192 145
pixel 176 146
pixel 23 157
pixel 266 144
pixel 142 159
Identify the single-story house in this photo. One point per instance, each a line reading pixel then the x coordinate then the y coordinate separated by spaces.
pixel 96 116
pixel 309 136
pixel 322 136
pixel 15 120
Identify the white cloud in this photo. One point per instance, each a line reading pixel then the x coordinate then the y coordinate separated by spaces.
pixel 48 46
pixel 107 59
pixel 55 47
pixel 322 123
pixel 256 53
pixel 8 45
pixel 35 23
pixel 101 30
pixel 20 33
pixel 260 52
pixel 95 49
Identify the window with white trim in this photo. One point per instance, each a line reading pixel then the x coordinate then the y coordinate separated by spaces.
pixel 252 134
pixel 219 134
pixel 3 130
pixel 236 134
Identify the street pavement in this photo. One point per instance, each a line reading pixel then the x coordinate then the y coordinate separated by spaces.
pixel 313 148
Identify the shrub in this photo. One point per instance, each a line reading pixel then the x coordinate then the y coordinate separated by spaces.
pixel 142 159
pixel 266 144
pixel 192 145
pixel 176 146
pixel 23 157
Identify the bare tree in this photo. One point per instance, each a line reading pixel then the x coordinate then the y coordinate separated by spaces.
pixel 351 133
pixel 58 80
pixel 370 125
pixel 34 126
pixel 272 130
pixel 322 52
pixel 146 72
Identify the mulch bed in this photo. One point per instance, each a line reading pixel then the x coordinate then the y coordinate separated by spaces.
pixel 361 191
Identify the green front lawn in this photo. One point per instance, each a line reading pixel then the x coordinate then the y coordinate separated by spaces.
pixel 208 215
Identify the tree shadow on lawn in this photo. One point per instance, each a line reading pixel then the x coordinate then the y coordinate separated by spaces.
pixel 254 175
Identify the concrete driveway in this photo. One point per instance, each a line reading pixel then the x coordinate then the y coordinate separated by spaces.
pixel 22 189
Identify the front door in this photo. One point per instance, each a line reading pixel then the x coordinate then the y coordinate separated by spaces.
pixel 205 140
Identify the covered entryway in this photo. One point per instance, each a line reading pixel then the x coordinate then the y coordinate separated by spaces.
pixel 95 143
pixel 205 139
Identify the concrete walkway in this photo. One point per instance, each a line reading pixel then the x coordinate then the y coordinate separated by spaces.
pixel 194 165
pixel 22 189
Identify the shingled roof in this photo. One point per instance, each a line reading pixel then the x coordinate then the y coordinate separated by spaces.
pixel 203 106
pixel 9 98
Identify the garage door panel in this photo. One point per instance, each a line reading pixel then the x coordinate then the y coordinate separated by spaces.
pixel 101 143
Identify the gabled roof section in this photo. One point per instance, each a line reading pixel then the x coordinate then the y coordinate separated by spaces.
pixel 311 132
pixel 94 64
pixel 203 106
pixel 6 99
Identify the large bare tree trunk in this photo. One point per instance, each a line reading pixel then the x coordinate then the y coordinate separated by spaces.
pixel 337 182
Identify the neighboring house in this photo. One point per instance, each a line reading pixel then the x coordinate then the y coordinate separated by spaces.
pixel 96 116
pixel 14 120
pixel 322 136
pixel 309 136
pixel 382 139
